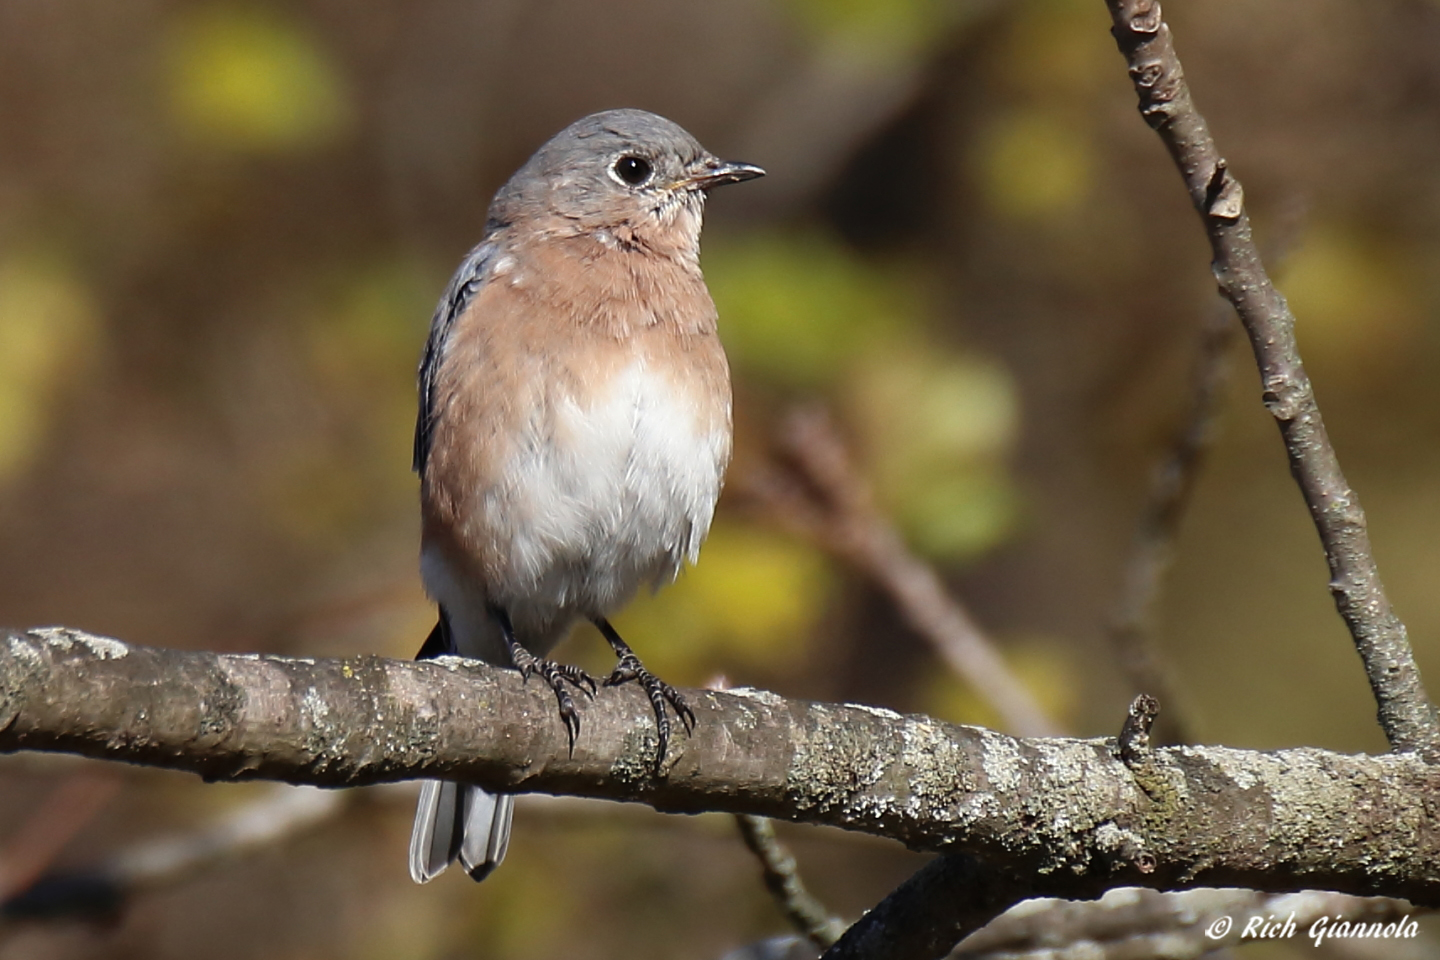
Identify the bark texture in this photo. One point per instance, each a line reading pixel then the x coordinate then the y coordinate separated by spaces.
pixel 1067 815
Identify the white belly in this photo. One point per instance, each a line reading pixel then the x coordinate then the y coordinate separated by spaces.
pixel 604 497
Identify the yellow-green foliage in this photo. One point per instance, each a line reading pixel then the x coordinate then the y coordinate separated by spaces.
pixel 247 79
pixel 360 333
pixel 935 427
pixel 935 422
pixel 798 309
pixel 1355 301
pixel 750 603
pixel 1034 163
pixel 48 332
pixel 885 30
pixel 1045 666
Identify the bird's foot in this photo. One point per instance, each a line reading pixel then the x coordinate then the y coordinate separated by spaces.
pixel 629 670
pixel 556 676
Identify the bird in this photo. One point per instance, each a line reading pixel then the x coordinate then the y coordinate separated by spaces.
pixel 574 428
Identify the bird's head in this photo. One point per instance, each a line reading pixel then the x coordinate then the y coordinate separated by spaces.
pixel 626 176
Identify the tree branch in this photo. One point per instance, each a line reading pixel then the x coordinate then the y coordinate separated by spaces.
pixel 954 896
pixel 98 891
pixel 1133 923
pixel 1066 815
pixel 828 501
pixel 923 918
pixel 1171 488
pixel 1405 712
pixel 782 879
pixel 1129 923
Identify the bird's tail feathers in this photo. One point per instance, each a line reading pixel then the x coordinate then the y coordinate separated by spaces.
pixel 487 831
pixel 456 820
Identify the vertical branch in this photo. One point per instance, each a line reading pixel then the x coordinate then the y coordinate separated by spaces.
pixel 1153 549
pixel 1405 712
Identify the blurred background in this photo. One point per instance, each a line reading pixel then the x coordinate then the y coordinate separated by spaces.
pixel 223 230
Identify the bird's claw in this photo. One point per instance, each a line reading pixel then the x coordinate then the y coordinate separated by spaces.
pixel 581 680
pixel 629 669
pixel 569 716
pixel 556 676
pixel 553 673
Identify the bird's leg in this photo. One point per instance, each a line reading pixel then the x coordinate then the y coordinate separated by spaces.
pixel 630 668
pixel 556 675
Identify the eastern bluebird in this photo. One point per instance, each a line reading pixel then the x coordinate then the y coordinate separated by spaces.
pixel 574 426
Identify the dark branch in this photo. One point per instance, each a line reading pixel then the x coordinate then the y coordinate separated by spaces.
pixel 782 879
pixel 1129 923
pixel 1405 711
pixel 1065 814
pixel 924 917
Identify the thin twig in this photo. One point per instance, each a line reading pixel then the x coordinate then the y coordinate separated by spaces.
pixel 1172 488
pixel 1405 712
pixel 283 813
pixel 70 806
pixel 1153 549
pixel 782 879
pixel 101 889
pixel 780 873
pixel 1134 740
pixel 824 498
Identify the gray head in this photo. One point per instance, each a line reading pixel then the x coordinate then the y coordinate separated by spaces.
pixel 620 169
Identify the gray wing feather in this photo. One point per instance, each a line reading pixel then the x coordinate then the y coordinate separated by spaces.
pixel 469 278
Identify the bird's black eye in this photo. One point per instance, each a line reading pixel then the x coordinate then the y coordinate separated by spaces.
pixel 633 170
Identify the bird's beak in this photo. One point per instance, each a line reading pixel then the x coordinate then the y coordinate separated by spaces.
pixel 715 173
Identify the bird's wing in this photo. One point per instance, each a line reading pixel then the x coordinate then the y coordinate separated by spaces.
pixel 474 271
